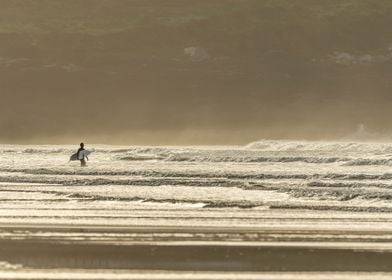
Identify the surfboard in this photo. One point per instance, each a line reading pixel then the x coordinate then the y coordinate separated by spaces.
pixel 75 155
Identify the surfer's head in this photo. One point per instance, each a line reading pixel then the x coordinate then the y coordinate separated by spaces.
pixel 81 145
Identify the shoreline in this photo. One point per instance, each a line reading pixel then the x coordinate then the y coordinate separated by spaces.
pixel 189 275
pixel 58 255
pixel 68 247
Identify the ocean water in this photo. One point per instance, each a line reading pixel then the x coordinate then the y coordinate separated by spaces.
pixel 267 193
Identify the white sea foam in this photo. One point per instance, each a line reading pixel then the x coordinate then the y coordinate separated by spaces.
pixel 276 174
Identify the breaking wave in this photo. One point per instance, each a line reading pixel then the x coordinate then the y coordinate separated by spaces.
pixel 306 173
pixel 334 147
pixel 237 159
pixel 369 162
pixel 370 209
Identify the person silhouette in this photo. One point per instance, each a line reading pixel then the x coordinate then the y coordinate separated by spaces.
pixel 81 155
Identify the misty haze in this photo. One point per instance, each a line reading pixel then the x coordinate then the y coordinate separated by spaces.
pixel 193 72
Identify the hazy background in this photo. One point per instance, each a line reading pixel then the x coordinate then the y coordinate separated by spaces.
pixel 193 71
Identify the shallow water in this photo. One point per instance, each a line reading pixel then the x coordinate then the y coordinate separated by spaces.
pixel 352 177
pixel 268 193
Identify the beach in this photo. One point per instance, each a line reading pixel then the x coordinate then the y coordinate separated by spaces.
pixel 267 210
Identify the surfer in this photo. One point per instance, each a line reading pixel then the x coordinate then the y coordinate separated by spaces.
pixel 81 155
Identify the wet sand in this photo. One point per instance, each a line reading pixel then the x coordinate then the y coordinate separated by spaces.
pixel 40 255
pixel 109 249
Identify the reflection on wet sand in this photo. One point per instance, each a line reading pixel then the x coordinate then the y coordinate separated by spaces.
pixel 116 254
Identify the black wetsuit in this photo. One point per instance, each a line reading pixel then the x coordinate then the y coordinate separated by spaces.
pixel 82 161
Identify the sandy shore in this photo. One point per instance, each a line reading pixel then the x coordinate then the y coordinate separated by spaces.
pixel 123 249
pixel 42 255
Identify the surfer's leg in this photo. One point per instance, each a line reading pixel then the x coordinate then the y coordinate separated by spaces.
pixel 82 162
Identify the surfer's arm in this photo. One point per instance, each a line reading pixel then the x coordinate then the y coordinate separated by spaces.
pixel 87 157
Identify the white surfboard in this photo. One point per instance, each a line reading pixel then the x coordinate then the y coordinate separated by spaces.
pixel 81 155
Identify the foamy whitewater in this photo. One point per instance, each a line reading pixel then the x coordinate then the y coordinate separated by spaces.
pixel 336 189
